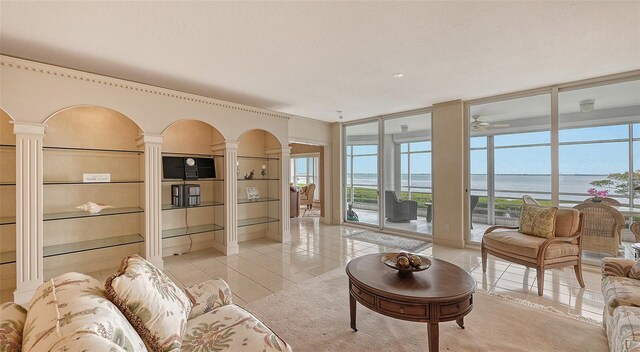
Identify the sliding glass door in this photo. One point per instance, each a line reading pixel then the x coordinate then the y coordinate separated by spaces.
pixel 408 192
pixel 361 174
pixel 388 176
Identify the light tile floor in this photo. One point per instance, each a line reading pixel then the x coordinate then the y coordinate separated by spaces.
pixel 264 266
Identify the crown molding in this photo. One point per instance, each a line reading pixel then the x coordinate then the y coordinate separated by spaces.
pixel 93 78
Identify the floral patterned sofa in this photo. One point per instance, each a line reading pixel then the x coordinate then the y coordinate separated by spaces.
pixel 140 310
pixel 621 316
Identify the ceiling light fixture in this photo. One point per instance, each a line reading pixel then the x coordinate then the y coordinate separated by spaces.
pixel 340 114
pixel 587 105
pixel 398 75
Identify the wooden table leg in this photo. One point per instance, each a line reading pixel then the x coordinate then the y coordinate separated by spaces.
pixel 460 322
pixel 432 334
pixel 352 311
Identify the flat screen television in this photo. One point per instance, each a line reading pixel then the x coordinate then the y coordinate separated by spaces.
pixel 173 167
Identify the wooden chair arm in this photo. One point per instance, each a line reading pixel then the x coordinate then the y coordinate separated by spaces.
pixel 497 227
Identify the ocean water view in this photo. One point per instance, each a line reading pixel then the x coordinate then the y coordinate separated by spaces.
pixel 572 187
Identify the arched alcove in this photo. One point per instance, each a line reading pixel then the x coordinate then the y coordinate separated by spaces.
pixel 7 205
pixel 259 210
pixel 91 154
pixel 192 226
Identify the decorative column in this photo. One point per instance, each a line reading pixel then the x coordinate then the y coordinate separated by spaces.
pixel 29 241
pixel 152 197
pixel 230 152
pixel 284 230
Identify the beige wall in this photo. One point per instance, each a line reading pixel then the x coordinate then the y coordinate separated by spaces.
pixel 448 173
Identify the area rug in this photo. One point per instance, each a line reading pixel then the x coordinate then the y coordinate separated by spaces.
pixel 387 240
pixel 314 316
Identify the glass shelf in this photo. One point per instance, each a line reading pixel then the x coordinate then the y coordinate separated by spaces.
pixel 7 184
pixel 259 200
pixel 8 145
pixel 201 205
pixel 84 214
pixel 257 157
pixel 180 181
pixel 7 220
pixel 76 247
pixel 89 183
pixel 256 221
pixel 94 150
pixel 83 246
pixel 260 179
pixel 7 257
pixel 191 230
pixel 211 156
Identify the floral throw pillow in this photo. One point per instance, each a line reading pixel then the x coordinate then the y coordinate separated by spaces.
pixel 538 221
pixel 153 304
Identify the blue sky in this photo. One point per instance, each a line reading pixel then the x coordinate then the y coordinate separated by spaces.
pixel 585 159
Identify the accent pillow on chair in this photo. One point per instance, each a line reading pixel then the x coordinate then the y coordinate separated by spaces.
pixel 155 306
pixel 537 220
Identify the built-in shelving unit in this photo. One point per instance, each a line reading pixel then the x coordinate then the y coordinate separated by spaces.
pixel 197 226
pixel 259 216
pixel 7 204
pixel 91 140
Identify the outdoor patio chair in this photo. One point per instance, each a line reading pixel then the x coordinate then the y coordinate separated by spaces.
pixel 608 201
pixel 473 202
pixel 602 227
pixel 527 199
pixel 397 210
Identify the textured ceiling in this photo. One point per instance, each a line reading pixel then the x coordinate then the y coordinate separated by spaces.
pixel 313 58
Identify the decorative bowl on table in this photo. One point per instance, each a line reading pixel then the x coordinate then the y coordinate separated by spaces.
pixel 406 263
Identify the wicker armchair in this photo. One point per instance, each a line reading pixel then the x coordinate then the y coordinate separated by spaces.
pixel 635 228
pixel 397 210
pixel 306 197
pixel 561 250
pixel 527 199
pixel 608 201
pixel 602 227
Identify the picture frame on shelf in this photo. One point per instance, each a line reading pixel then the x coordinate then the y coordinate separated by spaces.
pixel 253 194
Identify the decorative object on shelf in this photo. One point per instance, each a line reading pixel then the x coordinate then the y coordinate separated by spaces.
pixel 597 195
pixel 253 194
pixel 185 195
pixel 406 263
pixel 250 175
pixel 96 178
pixel 264 171
pixel 93 208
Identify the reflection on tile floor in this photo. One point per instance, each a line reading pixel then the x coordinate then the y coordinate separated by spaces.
pixel 264 266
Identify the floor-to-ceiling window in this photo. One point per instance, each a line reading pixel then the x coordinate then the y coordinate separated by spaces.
pixel 598 134
pixel 512 150
pixel 510 156
pixel 407 173
pixel 361 174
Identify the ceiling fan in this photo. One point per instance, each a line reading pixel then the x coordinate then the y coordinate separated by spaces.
pixel 479 125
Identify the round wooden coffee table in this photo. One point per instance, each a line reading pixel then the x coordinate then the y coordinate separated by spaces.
pixel 444 292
